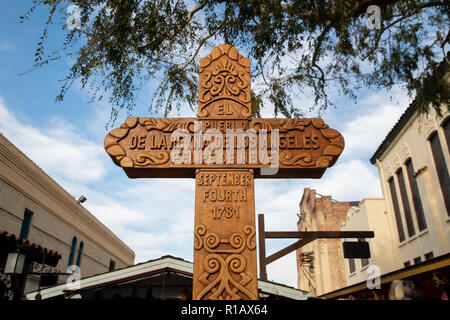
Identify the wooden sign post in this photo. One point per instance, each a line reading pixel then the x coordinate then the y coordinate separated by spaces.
pixel 224 149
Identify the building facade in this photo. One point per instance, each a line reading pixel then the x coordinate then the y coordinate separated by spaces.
pixel 410 251
pixel 370 215
pixel 320 264
pixel 413 163
pixel 34 207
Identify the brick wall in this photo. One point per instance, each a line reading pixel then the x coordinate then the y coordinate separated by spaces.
pixel 320 264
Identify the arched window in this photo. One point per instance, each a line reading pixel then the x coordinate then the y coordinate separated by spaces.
pixel 26 223
pixel 398 217
pixel 441 168
pixel 405 201
pixel 72 250
pixel 415 195
pixel 446 128
pixel 80 253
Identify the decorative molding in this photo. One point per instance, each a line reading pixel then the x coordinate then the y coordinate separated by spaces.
pixel 396 162
pixel 427 124
pixel 388 171
pixel 42 268
pixel 405 152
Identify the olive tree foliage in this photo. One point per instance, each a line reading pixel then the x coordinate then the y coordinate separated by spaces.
pixel 297 48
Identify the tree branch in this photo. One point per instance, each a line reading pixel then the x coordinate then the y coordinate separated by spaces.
pixel 201 43
pixel 317 50
pixel 193 11
pixel 405 16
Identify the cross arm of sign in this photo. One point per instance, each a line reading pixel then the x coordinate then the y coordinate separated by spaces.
pixel 305 238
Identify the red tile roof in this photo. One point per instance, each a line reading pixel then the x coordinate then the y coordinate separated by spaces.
pixel 13 241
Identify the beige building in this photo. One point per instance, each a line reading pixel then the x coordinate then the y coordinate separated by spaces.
pixel 412 221
pixel 413 163
pixel 320 264
pixel 34 207
pixel 370 215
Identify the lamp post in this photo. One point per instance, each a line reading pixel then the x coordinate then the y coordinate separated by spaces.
pixel 22 262
pixel 15 262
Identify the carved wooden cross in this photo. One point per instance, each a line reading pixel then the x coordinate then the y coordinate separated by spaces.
pixel 224 231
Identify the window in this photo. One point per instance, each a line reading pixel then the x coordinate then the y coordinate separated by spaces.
pixel 415 195
pixel 364 262
pixel 351 264
pixel 446 128
pixel 405 201
pixel 441 169
pixel 398 218
pixel 72 250
pixel 112 265
pixel 26 223
pixel 80 253
pixel 417 260
pixel 407 264
pixel 429 256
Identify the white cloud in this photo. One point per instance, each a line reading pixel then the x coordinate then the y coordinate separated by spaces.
pixel 364 133
pixel 5 45
pixel 154 217
pixel 349 181
pixel 59 148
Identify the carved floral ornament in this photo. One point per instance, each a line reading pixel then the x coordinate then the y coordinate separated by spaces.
pixel 287 158
pixel 224 275
pixel 224 74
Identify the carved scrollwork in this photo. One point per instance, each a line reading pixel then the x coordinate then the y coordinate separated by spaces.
pixel 224 74
pixel 118 153
pixel 250 232
pixel 211 241
pixel 198 233
pixel 224 286
pixel 330 152
pixel 112 146
pixel 169 124
pixel 224 259
pixel 283 125
pixel 224 81
pixel 42 268
pixel 144 159
pixel 289 159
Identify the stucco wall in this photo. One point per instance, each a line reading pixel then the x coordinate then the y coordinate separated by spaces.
pixel 57 216
pixel 412 142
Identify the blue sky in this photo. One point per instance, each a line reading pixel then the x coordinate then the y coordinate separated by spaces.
pixel 155 217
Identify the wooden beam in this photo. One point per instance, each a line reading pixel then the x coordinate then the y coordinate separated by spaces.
pixel 289 249
pixel 262 248
pixel 305 238
pixel 318 234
